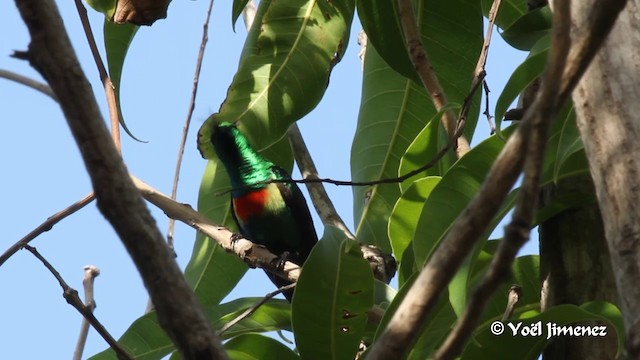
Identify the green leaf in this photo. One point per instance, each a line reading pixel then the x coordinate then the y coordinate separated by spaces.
pixel 525 74
pixel 275 314
pixel 528 29
pixel 488 346
pixel 508 13
pixel 146 340
pixel 438 323
pixel 236 10
pixel 284 67
pixel 569 143
pixel 107 7
pixel 395 109
pixel 380 21
pixel 332 298
pixel 424 148
pixel 117 38
pixel 254 346
pixel 452 194
pixel 406 212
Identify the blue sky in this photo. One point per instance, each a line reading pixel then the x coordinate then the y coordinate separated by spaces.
pixel 44 172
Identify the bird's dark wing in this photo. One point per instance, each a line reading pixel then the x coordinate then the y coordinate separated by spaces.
pixel 295 201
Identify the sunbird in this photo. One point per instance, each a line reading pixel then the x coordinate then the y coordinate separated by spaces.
pixel 274 215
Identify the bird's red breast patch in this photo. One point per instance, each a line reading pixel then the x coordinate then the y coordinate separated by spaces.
pixel 250 203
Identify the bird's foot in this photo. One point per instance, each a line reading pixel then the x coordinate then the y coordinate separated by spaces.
pixel 281 259
pixel 235 237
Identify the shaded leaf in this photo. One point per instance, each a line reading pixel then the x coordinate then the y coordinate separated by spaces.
pixel 145 339
pixel 254 346
pixel 405 215
pixel 332 298
pixel 528 29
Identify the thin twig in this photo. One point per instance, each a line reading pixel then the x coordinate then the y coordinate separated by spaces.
pixel 421 62
pixel 90 274
pixel 486 112
pixel 71 295
pixel 109 89
pixel 46 226
pixel 187 122
pixel 34 84
pixel 404 326
pixel 253 308
pixel 480 72
pixel 513 296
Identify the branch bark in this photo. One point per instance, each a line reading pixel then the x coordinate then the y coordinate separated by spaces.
pixel 607 107
pixel 179 313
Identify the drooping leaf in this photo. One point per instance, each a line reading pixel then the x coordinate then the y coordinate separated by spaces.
pixel 284 67
pixel 117 38
pixel 381 22
pixel 254 346
pixel 332 298
pixel 236 10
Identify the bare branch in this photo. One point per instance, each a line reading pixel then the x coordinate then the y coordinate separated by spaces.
pixel 90 274
pixel 46 226
pixel 36 85
pixel 179 312
pixel 187 122
pixel 420 60
pixel 71 295
pixel 109 89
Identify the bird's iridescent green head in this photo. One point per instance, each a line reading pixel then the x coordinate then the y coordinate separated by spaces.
pixel 242 162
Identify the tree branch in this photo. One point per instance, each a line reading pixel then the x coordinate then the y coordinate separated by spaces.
pixel 36 85
pixel 71 295
pixel 90 274
pixel 179 313
pixel 423 66
pixel 46 226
